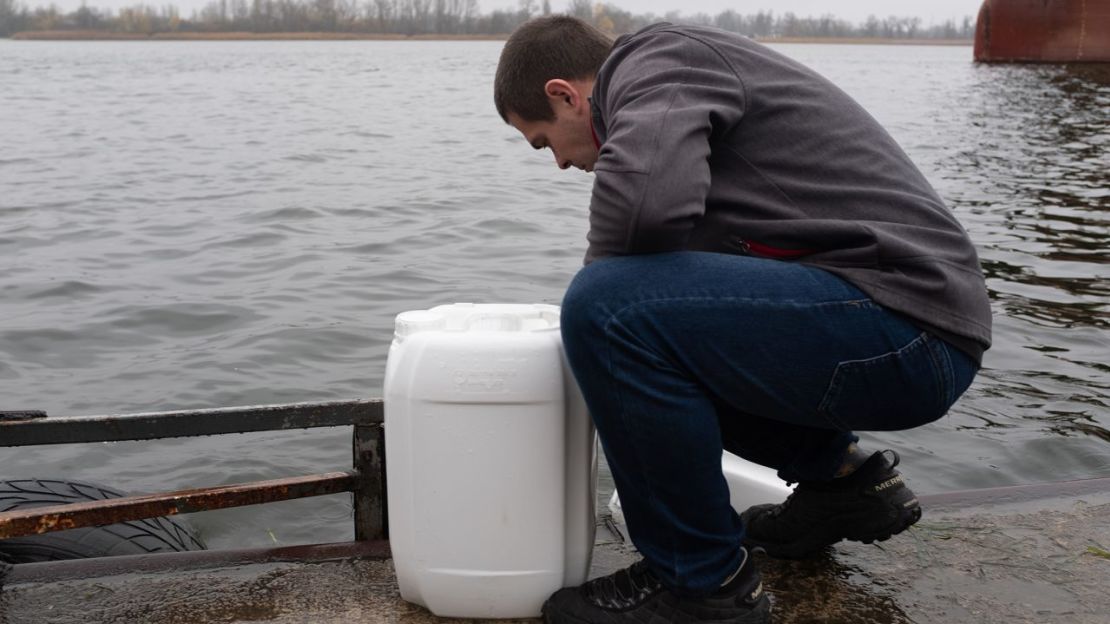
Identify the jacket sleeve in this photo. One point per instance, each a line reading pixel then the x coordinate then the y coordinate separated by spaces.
pixel 663 103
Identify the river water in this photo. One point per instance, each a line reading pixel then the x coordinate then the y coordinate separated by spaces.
pixel 204 224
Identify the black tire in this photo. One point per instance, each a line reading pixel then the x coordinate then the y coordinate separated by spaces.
pixel 138 537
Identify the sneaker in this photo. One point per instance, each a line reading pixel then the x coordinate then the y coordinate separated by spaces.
pixel 869 505
pixel 635 594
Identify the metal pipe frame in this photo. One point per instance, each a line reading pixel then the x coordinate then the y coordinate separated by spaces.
pixel 96 513
pixel 37 430
pixel 366 481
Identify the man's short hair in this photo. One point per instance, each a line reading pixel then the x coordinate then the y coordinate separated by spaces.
pixel 542 49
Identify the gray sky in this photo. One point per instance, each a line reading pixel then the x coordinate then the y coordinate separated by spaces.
pixel 851 10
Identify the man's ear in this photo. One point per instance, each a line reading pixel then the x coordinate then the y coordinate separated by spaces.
pixel 561 93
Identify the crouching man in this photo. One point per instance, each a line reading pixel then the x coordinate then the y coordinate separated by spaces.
pixel 767 272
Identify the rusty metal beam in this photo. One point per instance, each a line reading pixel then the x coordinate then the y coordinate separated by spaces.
pixel 187 423
pixel 60 517
pixel 9 415
pixel 1097 488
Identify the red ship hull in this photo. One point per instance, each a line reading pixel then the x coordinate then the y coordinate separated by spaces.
pixel 1043 31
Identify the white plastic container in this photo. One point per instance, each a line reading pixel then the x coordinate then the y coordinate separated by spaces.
pixel 748 484
pixel 491 460
pixel 751 484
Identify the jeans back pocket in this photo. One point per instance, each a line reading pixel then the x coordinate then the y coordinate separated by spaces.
pixel 897 390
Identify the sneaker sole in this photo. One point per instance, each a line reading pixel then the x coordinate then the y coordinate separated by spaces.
pixel 809 548
pixel 760 614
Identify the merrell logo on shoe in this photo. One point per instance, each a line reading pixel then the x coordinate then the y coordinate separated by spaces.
pixel 756 593
pixel 889 483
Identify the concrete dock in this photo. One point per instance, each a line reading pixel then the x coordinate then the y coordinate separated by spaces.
pixel 1008 555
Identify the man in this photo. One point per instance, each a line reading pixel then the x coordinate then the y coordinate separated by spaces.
pixel 766 273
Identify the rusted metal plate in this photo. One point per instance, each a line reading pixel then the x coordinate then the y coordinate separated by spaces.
pixel 187 423
pixel 97 513
pixel 1045 31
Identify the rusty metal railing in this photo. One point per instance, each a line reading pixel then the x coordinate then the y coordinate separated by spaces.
pixel 366 481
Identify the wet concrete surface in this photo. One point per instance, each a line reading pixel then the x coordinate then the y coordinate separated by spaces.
pixel 1048 565
pixel 976 558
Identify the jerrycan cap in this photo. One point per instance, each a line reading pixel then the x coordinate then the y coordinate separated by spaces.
pixel 414 321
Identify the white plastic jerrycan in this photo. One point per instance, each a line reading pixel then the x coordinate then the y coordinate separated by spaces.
pixel 748 484
pixel 491 460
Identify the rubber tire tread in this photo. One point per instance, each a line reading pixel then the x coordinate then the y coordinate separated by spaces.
pixel 137 537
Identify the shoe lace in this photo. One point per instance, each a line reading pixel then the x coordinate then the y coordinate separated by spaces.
pixel 624 586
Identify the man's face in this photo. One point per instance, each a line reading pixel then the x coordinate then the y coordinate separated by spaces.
pixel 569 135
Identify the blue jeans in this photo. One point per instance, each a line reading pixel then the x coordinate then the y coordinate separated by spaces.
pixel 681 355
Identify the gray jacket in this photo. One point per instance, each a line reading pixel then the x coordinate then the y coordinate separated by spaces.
pixel 712 142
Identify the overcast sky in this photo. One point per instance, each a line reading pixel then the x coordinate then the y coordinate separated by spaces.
pixel 852 10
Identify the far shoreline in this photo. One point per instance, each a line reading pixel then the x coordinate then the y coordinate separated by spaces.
pixel 867 41
pixel 96 35
pixel 92 35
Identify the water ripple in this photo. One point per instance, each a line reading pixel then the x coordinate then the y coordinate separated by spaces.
pixel 238 223
pixel 181 319
pixel 67 290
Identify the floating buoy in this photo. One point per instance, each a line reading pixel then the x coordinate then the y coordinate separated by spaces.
pixel 1043 31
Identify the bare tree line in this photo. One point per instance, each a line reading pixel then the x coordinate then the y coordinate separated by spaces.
pixel 440 17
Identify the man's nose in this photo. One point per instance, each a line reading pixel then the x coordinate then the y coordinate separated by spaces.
pixel 562 164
